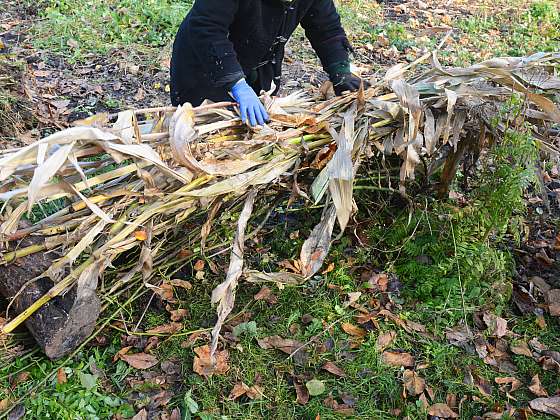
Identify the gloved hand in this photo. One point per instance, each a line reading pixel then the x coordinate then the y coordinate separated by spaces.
pixel 250 106
pixel 343 82
pixel 342 78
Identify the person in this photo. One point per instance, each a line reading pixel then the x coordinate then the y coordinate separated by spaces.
pixel 236 47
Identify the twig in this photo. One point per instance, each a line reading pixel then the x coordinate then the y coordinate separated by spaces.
pixel 312 339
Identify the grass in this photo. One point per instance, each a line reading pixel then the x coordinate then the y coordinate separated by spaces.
pixel 517 30
pixel 84 29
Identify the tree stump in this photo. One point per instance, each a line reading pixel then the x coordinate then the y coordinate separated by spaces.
pixel 61 325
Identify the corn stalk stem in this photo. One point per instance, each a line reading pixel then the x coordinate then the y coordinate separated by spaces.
pixel 20 253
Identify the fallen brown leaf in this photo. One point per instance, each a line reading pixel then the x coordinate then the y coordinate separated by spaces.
pixel 61 376
pixel 537 388
pixel 430 393
pixel 153 342
pixel 175 414
pixel 343 409
pixel 199 265
pixel 141 415
pixel 521 349
pixel 451 400
pixel 165 292
pixel 413 383
pixel 334 369
pixel 140 360
pixel 477 381
pixel 178 314
pixel 353 330
pixel 408 326
pixel 20 377
pixel 4 404
pixel 183 284
pixel 161 399
pixel 285 345
pixel 121 352
pixel 203 365
pixel 170 328
pixel 549 363
pixel 542 285
pixel 266 294
pixel 509 380
pixel 239 389
pixel 185 253
pixel 353 298
pixel 553 299
pixel 543 257
pixel 329 268
pixel 547 405
pixel 537 345
pixel 424 401
pixel 302 394
pixel 385 340
pixel 443 411
pixel 378 281
pixel 493 415
pixel 496 325
pixel 255 392
pixel 393 358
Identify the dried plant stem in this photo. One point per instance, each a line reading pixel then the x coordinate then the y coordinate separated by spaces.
pixel 20 253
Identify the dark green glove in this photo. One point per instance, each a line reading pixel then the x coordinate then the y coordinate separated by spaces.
pixel 342 79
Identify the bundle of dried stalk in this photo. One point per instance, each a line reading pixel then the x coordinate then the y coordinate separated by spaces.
pixel 131 187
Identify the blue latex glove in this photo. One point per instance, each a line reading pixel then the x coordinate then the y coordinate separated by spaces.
pixel 249 103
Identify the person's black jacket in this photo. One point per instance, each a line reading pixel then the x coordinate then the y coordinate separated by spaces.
pixel 221 41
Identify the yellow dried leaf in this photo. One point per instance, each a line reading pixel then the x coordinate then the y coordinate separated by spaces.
pixel 140 235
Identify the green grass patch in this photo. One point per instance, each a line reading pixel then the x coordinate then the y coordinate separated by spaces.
pixel 524 32
pixel 98 27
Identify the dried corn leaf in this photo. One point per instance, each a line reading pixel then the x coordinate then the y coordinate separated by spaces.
pixel 44 172
pixel 340 169
pixel 316 247
pixel 293 279
pixel 183 134
pixel 224 294
pixel 239 183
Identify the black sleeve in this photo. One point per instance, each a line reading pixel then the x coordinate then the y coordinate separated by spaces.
pixel 208 29
pixel 323 28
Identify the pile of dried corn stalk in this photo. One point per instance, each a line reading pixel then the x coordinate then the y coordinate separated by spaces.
pixel 132 187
